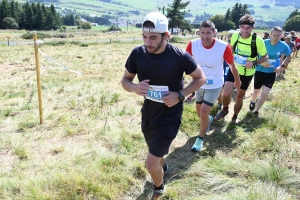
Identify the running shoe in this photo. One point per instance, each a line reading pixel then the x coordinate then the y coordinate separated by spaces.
pixel 252 105
pixel 166 169
pixel 221 115
pixel 234 119
pixel 198 145
pixel 157 194
pixel 283 71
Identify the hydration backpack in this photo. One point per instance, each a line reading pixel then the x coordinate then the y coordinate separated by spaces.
pixel 253 45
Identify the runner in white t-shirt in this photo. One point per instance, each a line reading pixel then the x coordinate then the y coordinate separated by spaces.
pixel 210 54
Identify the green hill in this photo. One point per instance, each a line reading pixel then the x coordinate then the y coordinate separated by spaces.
pixel 266 12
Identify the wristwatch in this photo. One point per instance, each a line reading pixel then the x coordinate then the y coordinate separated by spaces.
pixel 180 96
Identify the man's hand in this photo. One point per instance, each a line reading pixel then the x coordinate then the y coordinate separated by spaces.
pixel 142 88
pixel 278 70
pixel 238 84
pixel 249 64
pixel 170 98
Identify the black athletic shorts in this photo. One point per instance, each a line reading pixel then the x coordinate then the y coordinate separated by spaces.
pixel 160 136
pixel 246 80
pixel 266 79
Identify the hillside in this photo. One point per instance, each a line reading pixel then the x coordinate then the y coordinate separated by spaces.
pixel 90 145
pixel 266 12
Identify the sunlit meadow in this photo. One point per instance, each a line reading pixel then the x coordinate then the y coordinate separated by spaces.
pixel 90 146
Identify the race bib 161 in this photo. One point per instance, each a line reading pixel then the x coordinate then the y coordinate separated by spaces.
pixel 156 93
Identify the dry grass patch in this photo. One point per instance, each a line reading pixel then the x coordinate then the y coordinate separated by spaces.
pixel 90 145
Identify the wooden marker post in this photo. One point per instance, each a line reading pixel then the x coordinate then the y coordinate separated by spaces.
pixel 37 63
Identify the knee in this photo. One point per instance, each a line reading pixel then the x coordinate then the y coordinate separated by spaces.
pixel 226 95
pixel 263 96
pixel 239 98
pixel 151 166
pixel 204 113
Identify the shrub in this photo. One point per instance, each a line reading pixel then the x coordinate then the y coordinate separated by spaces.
pixel 175 39
pixel 29 36
pixel 60 35
pixel 114 28
pixel 56 43
pixel 84 45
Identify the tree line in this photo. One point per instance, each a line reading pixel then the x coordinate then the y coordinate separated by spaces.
pixel 230 20
pixel 34 16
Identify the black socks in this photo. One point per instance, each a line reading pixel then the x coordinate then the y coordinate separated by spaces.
pixel 161 187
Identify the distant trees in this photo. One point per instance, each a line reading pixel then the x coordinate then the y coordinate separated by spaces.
pixel 176 14
pixel 202 17
pixel 28 16
pixel 231 19
pixel 69 20
pixel 293 21
pixel 222 24
pixel 237 12
pixel 104 20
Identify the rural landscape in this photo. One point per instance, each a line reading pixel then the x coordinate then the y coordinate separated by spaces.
pixel 87 143
pixel 90 146
pixel 266 12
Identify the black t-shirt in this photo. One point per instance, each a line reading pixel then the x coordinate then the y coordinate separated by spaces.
pixel 165 69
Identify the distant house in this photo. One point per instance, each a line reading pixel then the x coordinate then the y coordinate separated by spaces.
pixel 94 24
pixel 83 20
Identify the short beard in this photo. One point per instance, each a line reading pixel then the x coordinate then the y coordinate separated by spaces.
pixel 159 45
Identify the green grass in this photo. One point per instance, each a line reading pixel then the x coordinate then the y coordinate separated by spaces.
pixel 90 145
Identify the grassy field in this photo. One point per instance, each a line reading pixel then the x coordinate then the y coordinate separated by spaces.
pixel 90 145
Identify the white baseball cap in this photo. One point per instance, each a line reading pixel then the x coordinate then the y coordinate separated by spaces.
pixel 159 20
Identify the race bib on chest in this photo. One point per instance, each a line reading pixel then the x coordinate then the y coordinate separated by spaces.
pixel 209 80
pixel 156 93
pixel 240 59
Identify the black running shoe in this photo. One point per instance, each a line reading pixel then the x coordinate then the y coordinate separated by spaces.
pixel 221 115
pixel 166 169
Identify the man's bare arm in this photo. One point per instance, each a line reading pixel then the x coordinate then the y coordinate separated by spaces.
pixel 198 80
pixel 140 88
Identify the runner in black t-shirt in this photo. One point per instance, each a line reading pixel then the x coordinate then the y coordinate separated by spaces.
pixel 159 67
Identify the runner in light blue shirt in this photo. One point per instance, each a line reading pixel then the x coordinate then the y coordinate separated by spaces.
pixel 265 74
pixel 274 52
